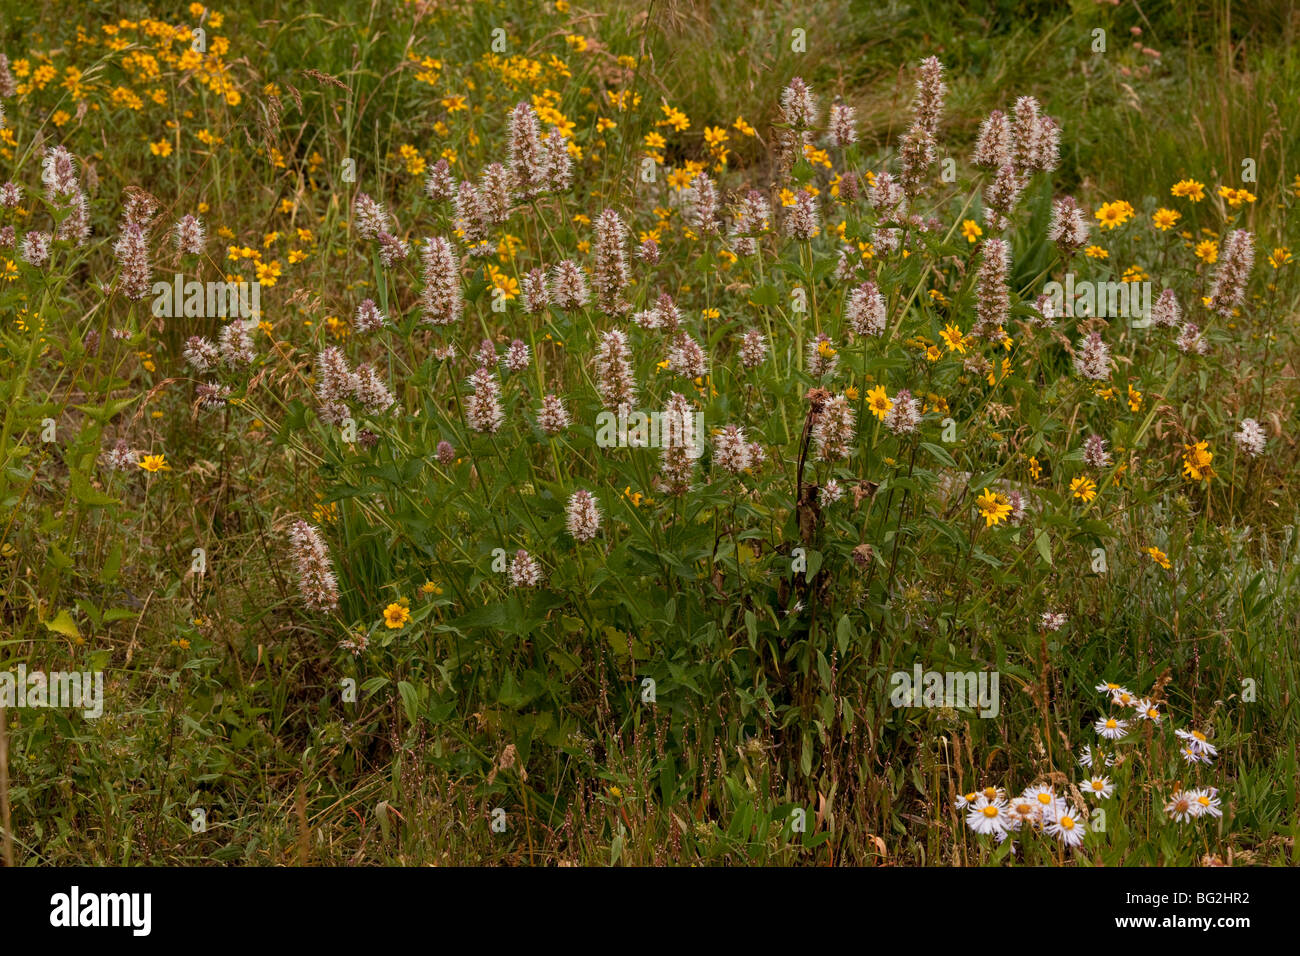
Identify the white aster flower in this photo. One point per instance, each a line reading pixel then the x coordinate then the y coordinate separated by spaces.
pixel 986 817
pixel 1045 799
pixel 1099 787
pixel 1197 742
pixel 1123 697
pixel 1148 710
pixel 1112 728
pixel 1180 806
pixel 1066 826
pixel 1021 812
pixel 1205 802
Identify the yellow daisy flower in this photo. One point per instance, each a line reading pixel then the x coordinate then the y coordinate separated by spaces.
pixel 396 616
pixel 993 506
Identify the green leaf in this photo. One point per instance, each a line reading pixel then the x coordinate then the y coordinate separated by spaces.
pixel 1043 544
pixel 112 564
pixel 492 616
pixel 79 484
pixel 939 453
pixel 1099 528
pixel 618 641
pixel 63 623
pixel 89 609
pixel 843 633
pixel 814 564
pixel 102 413
pixel 410 700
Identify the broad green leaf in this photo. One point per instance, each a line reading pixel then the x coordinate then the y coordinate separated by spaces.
pixel 63 623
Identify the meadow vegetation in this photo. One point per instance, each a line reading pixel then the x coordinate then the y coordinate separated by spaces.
pixel 371 583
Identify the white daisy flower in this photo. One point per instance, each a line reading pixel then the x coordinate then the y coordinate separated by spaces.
pixel 1198 741
pixel 1088 756
pixel 1099 787
pixel 1039 790
pixel 1148 710
pixel 986 817
pixel 1180 807
pixel 1122 697
pixel 1021 812
pixel 964 799
pixel 994 793
pixel 1043 797
pixel 1108 688
pixel 1192 755
pixel 1067 826
pixel 1112 728
pixel 1206 802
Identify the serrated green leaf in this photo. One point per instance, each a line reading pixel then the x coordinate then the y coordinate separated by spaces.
pixel 63 623
pixel 81 489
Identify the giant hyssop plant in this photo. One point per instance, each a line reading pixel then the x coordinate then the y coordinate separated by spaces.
pixel 873 472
